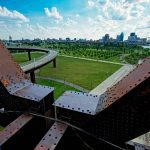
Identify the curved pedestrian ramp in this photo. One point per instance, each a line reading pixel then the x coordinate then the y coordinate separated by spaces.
pixel 76 120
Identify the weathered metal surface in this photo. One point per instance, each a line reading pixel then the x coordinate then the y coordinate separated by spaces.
pixel 23 134
pixel 78 101
pixel 34 92
pixel 17 91
pixel 92 104
pixel 18 86
pixel 127 84
pixel 119 115
pixel 126 119
pixel 7 118
pixel 52 137
pixel 137 146
pixel 10 71
pixel 13 128
pixel 129 102
pixel 140 143
pixel 11 75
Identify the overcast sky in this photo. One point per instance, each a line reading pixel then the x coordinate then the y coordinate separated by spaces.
pixel 89 19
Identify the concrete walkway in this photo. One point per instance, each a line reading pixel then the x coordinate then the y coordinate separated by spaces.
pixel 38 62
pixel 64 82
pixel 112 80
pixel 104 61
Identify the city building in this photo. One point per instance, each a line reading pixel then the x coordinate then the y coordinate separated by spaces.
pixel 106 38
pixel 132 38
pixel 120 37
pixel 68 39
pixel 10 38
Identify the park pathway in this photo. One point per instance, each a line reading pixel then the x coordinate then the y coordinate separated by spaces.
pixel 104 61
pixel 112 80
pixel 64 82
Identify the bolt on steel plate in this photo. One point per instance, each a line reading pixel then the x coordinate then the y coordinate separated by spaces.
pixel 52 137
pixel 78 101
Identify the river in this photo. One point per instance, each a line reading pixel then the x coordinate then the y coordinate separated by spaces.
pixel 148 46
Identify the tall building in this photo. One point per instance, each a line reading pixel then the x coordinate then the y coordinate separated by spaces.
pixel 132 37
pixel 120 37
pixel 10 39
pixel 106 38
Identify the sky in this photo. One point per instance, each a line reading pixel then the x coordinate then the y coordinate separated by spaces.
pixel 89 19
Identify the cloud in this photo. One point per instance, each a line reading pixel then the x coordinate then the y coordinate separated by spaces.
pixel 53 13
pixel 77 15
pixel 99 18
pixel 91 3
pixel 70 22
pixel 120 9
pixel 118 16
pixel 6 13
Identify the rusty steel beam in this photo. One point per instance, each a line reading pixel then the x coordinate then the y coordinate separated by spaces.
pixel 117 116
pixel 112 95
pixel 122 112
pixel 126 111
pixel 18 93
pixel 12 129
pixel 24 133
pixel 10 72
pixel 52 137
pixel 124 86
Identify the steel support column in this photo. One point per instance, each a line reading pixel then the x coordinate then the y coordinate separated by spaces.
pixel 32 75
pixel 54 63
pixel 29 55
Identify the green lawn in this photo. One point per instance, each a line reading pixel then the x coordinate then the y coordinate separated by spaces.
pixel 23 57
pixel 115 59
pixel 87 74
pixel 59 87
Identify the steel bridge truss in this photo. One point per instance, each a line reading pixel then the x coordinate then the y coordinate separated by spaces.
pixel 85 121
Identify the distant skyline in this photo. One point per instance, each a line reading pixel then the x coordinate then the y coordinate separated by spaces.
pixel 89 19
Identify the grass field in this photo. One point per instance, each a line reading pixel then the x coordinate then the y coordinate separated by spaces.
pixel 87 74
pixel 59 87
pixel 23 57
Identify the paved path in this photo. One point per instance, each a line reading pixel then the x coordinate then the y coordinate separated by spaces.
pixel 64 82
pixel 112 80
pixel 110 62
